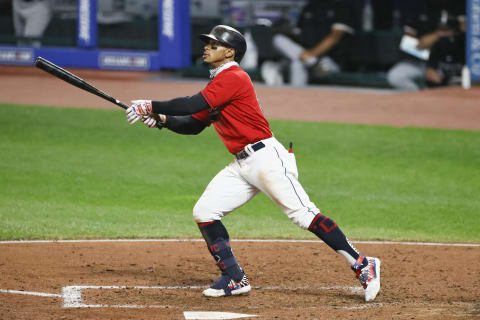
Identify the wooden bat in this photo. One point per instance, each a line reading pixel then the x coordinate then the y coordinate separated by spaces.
pixel 69 77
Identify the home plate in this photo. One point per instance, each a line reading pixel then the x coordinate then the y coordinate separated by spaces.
pixel 207 315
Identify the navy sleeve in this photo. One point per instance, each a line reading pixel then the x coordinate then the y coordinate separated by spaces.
pixel 184 124
pixel 181 106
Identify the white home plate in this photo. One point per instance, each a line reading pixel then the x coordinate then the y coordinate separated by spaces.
pixel 206 315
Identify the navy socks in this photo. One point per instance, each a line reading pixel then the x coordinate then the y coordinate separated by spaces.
pixel 327 230
pixel 218 243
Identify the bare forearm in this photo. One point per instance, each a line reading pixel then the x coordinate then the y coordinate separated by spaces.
pixel 327 43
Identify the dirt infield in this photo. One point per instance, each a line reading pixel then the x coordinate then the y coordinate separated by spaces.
pixel 303 280
pixel 292 280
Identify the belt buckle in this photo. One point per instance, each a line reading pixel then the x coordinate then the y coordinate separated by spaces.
pixel 244 154
pixel 241 155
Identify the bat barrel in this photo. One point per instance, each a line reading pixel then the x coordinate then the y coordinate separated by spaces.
pixel 69 77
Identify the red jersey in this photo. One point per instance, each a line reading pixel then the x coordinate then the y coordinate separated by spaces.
pixel 241 120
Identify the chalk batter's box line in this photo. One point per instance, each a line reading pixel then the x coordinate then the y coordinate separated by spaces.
pixel 72 295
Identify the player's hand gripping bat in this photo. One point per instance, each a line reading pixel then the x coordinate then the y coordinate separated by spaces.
pixel 69 77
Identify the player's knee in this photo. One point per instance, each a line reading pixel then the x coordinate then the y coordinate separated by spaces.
pixel 199 214
pixel 395 78
pixel 278 40
pixel 401 80
pixel 301 218
pixel 202 213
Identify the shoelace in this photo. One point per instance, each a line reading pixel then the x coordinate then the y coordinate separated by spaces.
pixel 363 274
pixel 242 283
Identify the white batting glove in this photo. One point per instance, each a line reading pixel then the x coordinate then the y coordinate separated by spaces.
pixel 138 109
pixel 149 121
pixel 132 116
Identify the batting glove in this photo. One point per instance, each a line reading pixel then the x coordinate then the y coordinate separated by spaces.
pixel 149 121
pixel 138 109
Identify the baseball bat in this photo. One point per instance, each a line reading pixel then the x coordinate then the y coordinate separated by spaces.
pixel 69 77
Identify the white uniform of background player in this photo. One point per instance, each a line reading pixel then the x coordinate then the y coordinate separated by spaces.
pixel 30 19
pixel 319 42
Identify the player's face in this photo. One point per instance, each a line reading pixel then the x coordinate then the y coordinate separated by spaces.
pixel 216 54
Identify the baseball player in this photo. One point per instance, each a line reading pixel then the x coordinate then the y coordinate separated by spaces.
pixel 30 20
pixel 261 163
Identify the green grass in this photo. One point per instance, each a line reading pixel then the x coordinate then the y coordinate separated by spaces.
pixel 76 173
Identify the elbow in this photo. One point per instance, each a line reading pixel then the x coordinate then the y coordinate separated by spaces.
pixel 197 131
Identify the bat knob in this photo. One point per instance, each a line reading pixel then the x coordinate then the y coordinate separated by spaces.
pixel 37 61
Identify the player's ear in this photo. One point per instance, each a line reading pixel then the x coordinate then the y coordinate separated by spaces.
pixel 230 53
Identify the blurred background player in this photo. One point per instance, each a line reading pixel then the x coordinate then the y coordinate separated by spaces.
pixel 447 57
pixel 30 20
pixel 429 21
pixel 319 42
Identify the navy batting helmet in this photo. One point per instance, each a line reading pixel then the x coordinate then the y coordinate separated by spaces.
pixel 228 36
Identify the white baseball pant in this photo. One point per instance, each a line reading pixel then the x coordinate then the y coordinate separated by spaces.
pixel 298 68
pixel 403 74
pixel 271 170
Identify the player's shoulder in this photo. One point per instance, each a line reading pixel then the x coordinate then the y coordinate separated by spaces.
pixel 236 73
